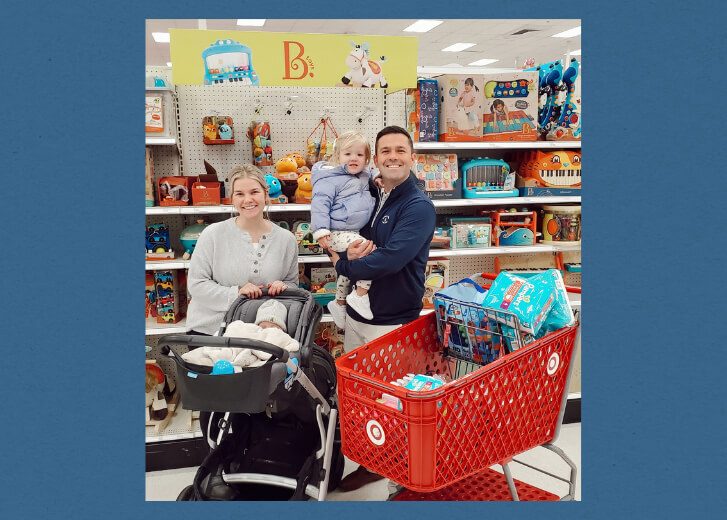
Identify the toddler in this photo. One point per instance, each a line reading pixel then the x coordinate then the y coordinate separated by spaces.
pixel 342 204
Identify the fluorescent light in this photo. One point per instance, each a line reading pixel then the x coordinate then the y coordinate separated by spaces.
pixel 570 33
pixel 422 26
pixel 576 52
pixel 160 37
pixel 253 23
pixel 484 61
pixel 458 47
pixel 169 64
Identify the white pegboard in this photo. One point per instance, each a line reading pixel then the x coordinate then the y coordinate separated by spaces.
pixel 288 132
pixel 166 162
pixel 396 108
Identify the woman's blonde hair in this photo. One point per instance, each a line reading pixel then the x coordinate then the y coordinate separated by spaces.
pixel 249 171
pixel 345 141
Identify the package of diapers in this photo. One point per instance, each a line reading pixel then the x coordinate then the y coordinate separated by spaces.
pixel 530 300
pixel 561 314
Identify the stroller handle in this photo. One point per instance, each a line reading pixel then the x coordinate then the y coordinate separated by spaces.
pixel 216 341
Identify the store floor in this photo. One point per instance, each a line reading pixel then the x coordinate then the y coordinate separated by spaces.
pixel 166 485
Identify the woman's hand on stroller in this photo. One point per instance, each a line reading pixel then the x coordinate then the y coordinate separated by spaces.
pixel 276 288
pixel 251 290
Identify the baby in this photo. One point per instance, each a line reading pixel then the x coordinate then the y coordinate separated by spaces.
pixel 270 326
pixel 341 206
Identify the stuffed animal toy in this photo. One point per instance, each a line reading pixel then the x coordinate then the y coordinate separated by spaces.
pixel 275 190
pixel 225 131
pixel 304 193
pixel 298 158
pixel 210 131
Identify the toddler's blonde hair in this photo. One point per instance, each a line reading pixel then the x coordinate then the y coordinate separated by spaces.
pixel 345 141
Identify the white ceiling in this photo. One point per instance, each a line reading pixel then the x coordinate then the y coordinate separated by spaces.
pixel 493 38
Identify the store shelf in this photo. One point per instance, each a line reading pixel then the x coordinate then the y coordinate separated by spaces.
pixel 159 265
pixel 302 208
pixel 156 141
pixel 156 329
pixel 159 89
pixel 180 427
pixel 312 259
pixel 531 145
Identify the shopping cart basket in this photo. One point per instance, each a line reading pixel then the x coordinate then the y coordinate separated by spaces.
pixel 439 437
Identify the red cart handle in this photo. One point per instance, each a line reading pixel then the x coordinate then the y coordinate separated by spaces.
pixel 569 288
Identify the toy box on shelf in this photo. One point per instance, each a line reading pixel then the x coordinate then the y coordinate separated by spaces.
pixel 436 277
pixel 510 107
pixel 442 238
pixel 151 297
pixel 211 182
pixel 568 125
pixel 218 130
pixel 462 107
pixel 173 191
pixel 158 244
pixel 514 228
pixel 171 293
pixel 549 173
pixel 304 237
pixel 471 232
pixel 440 174
pixel 154 123
pixel 562 224
pixel 422 111
pixel 149 178
pixel 487 178
pixel 323 284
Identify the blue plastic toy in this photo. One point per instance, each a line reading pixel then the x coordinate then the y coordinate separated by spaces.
pixel 517 237
pixel 222 367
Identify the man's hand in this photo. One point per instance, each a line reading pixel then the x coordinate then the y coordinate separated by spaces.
pixel 359 249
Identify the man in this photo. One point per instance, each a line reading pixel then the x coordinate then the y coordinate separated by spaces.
pixel 394 257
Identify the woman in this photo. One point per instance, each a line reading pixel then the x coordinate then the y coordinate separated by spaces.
pixel 239 256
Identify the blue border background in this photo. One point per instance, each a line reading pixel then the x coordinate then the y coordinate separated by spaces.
pixel 653 388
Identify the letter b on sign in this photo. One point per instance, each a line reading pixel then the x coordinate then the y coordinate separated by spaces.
pixel 296 63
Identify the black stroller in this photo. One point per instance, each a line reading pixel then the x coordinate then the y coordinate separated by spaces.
pixel 278 435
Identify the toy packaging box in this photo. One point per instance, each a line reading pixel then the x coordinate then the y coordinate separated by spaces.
pixel 154 122
pixel 436 277
pixel 218 130
pixel 171 294
pixel 549 173
pixel 322 275
pixel 471 232
pixel 439 174
pixel 462 103
pixel 510 106
pixel 422 111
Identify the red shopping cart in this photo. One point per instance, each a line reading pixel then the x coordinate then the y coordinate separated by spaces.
pixel 444 440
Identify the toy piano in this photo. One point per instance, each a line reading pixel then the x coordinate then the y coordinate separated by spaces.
pixel 485 178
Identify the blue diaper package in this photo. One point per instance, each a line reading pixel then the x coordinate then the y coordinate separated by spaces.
pixel 561 314
pixel 529 300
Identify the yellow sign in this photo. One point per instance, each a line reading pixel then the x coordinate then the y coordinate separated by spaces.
pixel 290 59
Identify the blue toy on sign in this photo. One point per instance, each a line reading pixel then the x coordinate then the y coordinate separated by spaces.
pixel 228 61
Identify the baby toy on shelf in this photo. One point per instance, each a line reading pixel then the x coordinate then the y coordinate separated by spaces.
pixel 158 245
pixel 304 193
pixel 275 190
pixel 514 228
pixel 162 397
pixel 262 148
pixel 218 130
pixel 189 237
pixel 304 237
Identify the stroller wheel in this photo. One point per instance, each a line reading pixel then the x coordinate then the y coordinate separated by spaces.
pixel 186 494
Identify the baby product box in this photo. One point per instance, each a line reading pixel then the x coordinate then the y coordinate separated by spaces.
pixel 510 106
pixel 171 295
pixel 436 277
pixel 154 122
pixel 462 103
pixel 149 178
pixel 439 174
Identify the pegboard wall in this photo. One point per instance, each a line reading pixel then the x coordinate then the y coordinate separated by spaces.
pixel 396 108
pixel 289 132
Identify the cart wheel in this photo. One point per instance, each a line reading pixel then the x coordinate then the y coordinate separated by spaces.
pixel 187 494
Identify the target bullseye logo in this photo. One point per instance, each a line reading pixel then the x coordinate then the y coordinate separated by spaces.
pixel 375 432
pixel 553 363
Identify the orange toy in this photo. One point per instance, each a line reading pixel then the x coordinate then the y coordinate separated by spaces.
pixel 298 158
pixel 285 169
pixel 304 193
pixel 551 169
